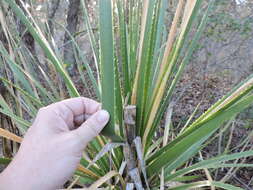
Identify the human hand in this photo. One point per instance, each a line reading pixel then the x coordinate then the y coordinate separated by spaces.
pixel 52 147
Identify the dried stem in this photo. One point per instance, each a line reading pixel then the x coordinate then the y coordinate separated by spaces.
pixel 130 149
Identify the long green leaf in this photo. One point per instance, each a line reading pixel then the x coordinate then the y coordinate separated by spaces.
pixel 144 64
pixel 209 164
pixel 185 61
pixel 16 71
pixel 133 34
pixel 225 186
pixel 20 72
pixel 123 47
pixel 169 155
pixel 34 99
pixel 194 185
pixel 19 120
pixel 166 73
pixel 107 66
pixel 200 184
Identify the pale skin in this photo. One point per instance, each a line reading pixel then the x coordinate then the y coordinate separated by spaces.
pixel 52 147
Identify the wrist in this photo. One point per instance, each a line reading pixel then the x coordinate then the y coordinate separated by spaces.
pixel 9 180
pixel 20 174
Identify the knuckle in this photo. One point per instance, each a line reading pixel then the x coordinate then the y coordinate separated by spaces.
pixel 46 113
pixel 42 110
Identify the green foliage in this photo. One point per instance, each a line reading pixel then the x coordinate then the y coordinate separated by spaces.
pixel 136 64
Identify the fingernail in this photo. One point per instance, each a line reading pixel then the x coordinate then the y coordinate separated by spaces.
pixel 103 116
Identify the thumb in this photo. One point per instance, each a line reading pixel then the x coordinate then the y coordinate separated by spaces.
pixel 92 126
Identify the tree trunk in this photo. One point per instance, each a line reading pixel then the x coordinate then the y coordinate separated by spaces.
pixel 26 36
pixel 52 8
pixel 72 21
